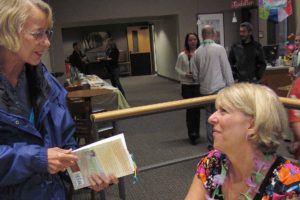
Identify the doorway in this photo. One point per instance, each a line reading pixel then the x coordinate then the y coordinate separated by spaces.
pixel 139 48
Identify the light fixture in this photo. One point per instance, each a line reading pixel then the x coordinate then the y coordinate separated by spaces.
pixel 234 20
pixel 198 21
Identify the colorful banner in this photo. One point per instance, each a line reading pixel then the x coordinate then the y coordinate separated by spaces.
pixel 275 10
pixel 263 13
pixel 273 4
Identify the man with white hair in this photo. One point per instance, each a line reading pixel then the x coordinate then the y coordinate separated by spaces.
pixel 211 69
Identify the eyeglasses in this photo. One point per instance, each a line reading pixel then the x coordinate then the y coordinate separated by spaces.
pixel 40 35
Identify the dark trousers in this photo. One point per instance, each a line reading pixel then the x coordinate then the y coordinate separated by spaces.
pixel 209 109
pixel 192 114
pixel 114 77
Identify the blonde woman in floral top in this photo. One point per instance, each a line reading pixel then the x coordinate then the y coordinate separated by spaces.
pixel 247 130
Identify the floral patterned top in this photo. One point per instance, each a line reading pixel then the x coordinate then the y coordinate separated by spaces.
pixel 281 181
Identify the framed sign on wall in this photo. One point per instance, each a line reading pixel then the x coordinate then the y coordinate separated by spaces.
pixel 238 4
pixel 215 20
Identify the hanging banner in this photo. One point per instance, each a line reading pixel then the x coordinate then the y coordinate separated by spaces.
pixel 235 4
pixel 273 4
pixel 274 10
pixel 263 13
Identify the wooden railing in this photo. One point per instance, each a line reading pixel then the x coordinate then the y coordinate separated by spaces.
pixel 165 107
pixel 170 106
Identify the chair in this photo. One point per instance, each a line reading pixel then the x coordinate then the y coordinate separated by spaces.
pixel 81 109
pixel 79 104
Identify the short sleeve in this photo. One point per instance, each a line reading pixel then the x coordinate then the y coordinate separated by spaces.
pixel 209 170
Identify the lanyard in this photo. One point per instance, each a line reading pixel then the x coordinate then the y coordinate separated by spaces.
pixel 31 117
pixel 206 42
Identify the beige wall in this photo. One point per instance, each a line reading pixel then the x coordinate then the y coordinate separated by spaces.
pixel 166 46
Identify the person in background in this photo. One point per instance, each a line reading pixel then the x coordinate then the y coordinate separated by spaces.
pixel 294 119
pixel 247 57
pixel 36 139
pixel 112 57
pixel 294 114
pixel 210 69
pixel 189 88
pixel 247 129
pixel 294 69
pixel 77 58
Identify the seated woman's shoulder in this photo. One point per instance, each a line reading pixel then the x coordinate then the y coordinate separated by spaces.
pixel 212 161
pixel 214 154
pixel 288 173
pixel 285 180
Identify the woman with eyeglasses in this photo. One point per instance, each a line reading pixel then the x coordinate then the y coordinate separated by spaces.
pixel 36 129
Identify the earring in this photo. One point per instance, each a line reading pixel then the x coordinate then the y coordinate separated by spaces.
pixel 247 136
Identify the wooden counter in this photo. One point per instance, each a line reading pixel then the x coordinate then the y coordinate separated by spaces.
pixel 277 78
pixel 86 93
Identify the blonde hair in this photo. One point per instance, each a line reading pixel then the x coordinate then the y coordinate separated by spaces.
pixel 13 14
pixel 261 103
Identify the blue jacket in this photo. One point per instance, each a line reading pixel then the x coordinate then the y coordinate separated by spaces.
pixel 23 146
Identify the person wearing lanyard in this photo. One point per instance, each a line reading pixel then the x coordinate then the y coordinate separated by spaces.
pixel 211 69
pixel 248 126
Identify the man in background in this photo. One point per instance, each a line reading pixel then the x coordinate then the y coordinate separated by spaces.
pixel 211 69
pixel 78 59
pixel 247 57
pixel 294 69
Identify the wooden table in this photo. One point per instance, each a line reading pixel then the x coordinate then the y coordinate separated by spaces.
pixel 100 93
pixel 87 93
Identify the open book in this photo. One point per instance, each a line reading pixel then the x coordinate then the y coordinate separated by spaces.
pixel 108 156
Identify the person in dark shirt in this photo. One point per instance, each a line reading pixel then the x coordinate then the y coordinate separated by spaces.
pixel 78 59
pixel 112 57
pixel 247 58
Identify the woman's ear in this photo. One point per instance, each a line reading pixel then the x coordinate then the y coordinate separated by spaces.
pixel 251 124
pixel 251 128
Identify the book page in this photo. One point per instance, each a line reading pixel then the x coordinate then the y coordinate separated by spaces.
pixel 109 156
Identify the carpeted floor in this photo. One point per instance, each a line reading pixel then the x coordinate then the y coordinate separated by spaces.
pixel 155 139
